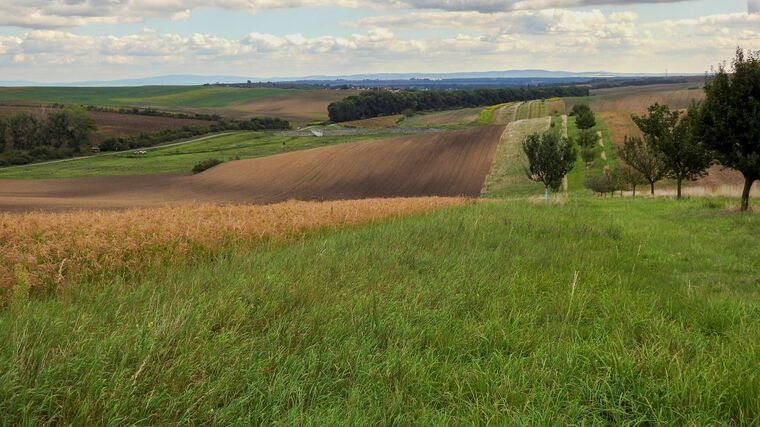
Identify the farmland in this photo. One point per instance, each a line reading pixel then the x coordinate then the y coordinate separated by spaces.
pixel 439 164
pixel 116 125
pixel 591 312
pixel 154 96
pixel 177 159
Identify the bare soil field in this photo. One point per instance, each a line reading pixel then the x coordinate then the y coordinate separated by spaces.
pixel 299 107
pixel 437 164
pixel 116 124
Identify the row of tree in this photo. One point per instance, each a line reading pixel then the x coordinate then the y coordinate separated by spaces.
pixel 378 103
pixel 723 129
pixel 57 134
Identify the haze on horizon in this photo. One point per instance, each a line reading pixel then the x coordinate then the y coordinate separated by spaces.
pixel 78 40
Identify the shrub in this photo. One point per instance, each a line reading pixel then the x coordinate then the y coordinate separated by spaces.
pixel 206 165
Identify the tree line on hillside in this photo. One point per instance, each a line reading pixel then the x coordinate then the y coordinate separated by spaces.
pixel 723 129
pixel 378 103
pixel 27 137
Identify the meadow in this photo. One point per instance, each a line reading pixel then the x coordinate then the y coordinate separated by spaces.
pixel 178 159
pixel 154 96
pixel 590 312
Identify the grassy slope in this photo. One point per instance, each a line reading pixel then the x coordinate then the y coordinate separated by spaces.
pixel 178 159
pixel 577 176
pixel 593 312
pixel 165 96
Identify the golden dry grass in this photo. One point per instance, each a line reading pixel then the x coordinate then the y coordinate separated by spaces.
pixel 43 253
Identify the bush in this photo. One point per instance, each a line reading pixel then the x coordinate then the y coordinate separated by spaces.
pixel 206 165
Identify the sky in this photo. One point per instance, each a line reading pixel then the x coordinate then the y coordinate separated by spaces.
pixel 80 40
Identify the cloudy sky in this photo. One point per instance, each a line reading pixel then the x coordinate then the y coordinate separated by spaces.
pixel 75 40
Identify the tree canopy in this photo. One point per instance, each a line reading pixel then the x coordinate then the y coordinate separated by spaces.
pixel 730 119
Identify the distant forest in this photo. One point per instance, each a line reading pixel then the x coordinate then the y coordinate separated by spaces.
pixel 385 103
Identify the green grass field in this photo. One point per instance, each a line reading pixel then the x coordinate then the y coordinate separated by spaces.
pixel 182 158
pixel 577 177
pixel 593 312
pixel 154 96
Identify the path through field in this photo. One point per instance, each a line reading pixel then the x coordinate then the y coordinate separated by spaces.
pixel 507 176
pixel 439 164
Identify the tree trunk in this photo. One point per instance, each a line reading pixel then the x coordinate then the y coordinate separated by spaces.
pixel 651 186
pixel 680 181
pixel 745 194
pixel 634 190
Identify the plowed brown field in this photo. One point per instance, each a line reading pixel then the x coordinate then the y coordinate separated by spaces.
pixel 440 164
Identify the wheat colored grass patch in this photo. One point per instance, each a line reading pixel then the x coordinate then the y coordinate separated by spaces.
pixel 49 252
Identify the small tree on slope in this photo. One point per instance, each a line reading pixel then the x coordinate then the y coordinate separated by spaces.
pixel 673 135
pixel 730 122
pixel 550 158
pixel 642 157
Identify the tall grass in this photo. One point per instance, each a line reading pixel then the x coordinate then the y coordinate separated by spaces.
pixel 42 253
pixel 594 312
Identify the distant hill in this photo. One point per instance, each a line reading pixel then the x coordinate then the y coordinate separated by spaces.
pixel 191 80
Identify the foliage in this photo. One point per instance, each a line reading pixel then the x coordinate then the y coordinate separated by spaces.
pixel 385 103
pixel 587 138
pixel 645 159
pixel 584 117
pixel 684 155
pixel 550 158
pixel 588 154
pixel 731 118
pixel 608 182
pixel 206 165
pixel 27 137
pixel 630 176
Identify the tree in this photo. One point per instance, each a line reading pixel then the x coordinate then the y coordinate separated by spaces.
pixel 587 138
pixel 642 157
pixel 588 154
pixel 584 117
pixel 550 158
pixel 631 177
pixel 730 124
pixel 684 155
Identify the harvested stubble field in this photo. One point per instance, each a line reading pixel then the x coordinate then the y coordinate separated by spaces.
pixel 43 253
pixel 451 119
pixel 116 124
pixel 436 164
pixel 299 106
pixel 638 99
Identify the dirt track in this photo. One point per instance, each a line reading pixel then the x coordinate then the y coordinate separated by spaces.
pixel 440 164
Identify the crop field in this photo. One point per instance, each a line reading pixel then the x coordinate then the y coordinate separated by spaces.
pixel 54 252
pixel 375 122
pixel 593 312
pixel 540 108
pixel 115 124
pixel 450 119
pixel 437 164
pixel 177 159
pixel 154 96
pixel 638 99
pixel 299 107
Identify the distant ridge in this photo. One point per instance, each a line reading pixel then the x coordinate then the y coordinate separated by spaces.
pixel 193 80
